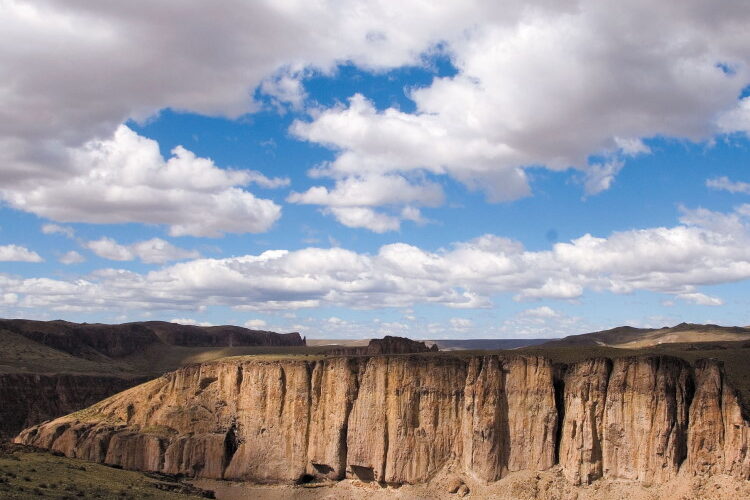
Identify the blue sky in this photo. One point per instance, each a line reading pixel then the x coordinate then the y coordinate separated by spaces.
pixel 479 175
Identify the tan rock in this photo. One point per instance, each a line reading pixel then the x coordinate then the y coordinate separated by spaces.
pixel 585 398
pixel 719 435
pixel 411 419
pixel 646 419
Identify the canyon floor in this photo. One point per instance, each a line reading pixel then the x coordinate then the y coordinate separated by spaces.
pixel 547 485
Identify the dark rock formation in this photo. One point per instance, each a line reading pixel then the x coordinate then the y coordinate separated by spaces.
pixel 386 345
pixel 27 399
pixel 114 341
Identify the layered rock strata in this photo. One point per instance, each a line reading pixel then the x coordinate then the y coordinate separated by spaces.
pixel 404 419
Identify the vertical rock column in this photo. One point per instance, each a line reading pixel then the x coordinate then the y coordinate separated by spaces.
pixel 646 419
pixel 273 411
pixel 585 396
pixel 509 419
pixel 406 420
pixel 719 435
pixel 334 389
pixel 485 420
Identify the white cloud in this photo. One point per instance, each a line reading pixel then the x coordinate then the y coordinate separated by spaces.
pixel 67 231
pixel 707 248
pixel 366 218
pixel 737 119
pixel 256 324
pixel 351 198
pixel 154 61
pixel 190 321
pixel 71 257
pixel 540 312
pixel 460 324
pixel 700 299
pixel 153 251
pixel 724 184
pixel 497 116
pixel 126 179
pixel 599 177
pixel 545 83
pixel 16 253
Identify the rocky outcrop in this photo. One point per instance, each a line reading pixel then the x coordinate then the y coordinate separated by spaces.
pixel 719 436
pixel 386 345
pixel 408 419
pixel 27 399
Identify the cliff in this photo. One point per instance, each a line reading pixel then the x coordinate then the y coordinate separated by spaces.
pixel 406 419
pixel 28 398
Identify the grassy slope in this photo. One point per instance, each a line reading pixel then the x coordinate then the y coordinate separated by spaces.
pixel 26 474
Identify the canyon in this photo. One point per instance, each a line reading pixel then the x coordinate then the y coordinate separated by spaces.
pixel 51 368
pixel 410 419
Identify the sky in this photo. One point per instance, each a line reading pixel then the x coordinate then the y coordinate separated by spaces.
pixel 348 169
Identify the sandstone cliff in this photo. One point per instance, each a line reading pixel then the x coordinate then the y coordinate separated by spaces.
pixel 405 419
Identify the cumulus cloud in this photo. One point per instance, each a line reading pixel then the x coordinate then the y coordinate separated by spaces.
pixel 540 312
pixel 461 324
pixel 153 251
pixel 737 119
pixel 366 218
pixel 133 60
pixel 255 324
pixel 724 184
pixel 700 299
pixel 16 253
pixel 706 248
pixel 351 198
pixel 544 83
pixel 190 321
pixel 66 231
pixel 498 115
pixel 71 257
pixel 126 179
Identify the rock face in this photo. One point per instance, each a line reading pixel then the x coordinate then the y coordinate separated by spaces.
pixel 27 399
pixel 405 419
pixel 719 435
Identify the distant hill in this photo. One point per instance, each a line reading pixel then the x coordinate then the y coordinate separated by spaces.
pixel 96 340
pixel 484 344
pixel 627 337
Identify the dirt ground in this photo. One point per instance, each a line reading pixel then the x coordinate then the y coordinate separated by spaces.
pixel 547 485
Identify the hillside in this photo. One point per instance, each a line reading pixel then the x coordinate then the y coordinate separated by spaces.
pixel 50 368
pixel 635 338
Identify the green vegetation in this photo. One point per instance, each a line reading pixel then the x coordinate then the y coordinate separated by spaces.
pixel 26 474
